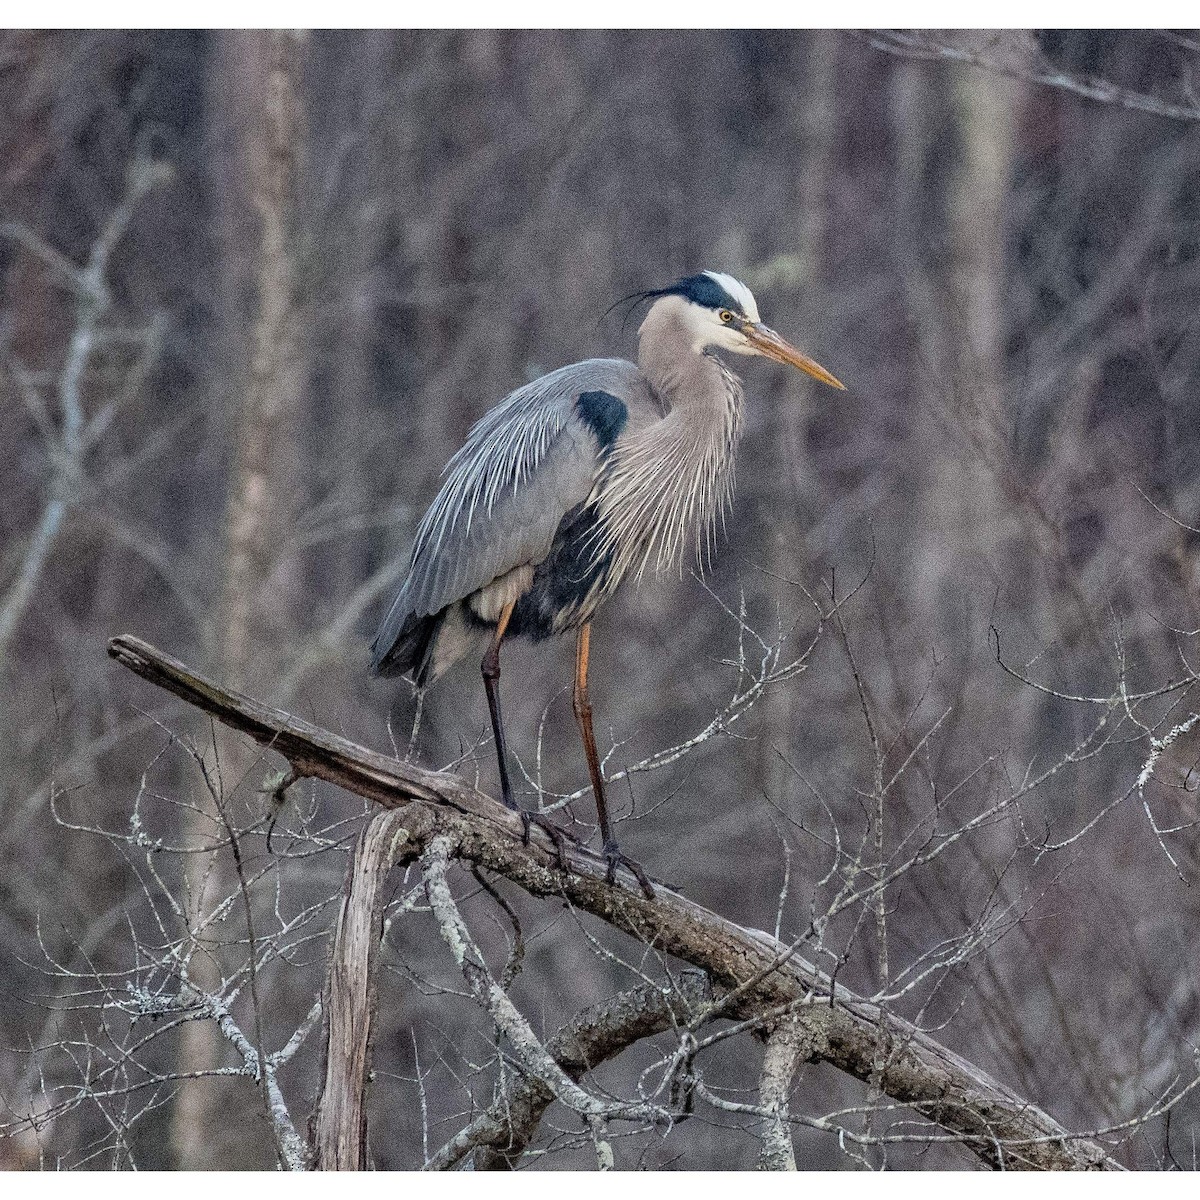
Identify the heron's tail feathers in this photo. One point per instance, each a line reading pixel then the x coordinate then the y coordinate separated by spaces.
pixel 424 646
pixel 404 645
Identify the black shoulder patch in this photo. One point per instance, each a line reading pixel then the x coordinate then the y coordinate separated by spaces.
pixel 603 414
pixel 705 291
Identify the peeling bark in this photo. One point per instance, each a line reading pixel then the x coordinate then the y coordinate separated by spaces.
pixel 1003 1129
pixel 340 1126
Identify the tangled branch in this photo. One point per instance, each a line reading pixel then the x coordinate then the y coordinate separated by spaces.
pixel 752 972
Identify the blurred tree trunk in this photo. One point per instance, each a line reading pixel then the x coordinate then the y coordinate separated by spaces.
pixel 256 91
pixel 350 206
pixel 955 137
pixel 264 483
pixel 816 121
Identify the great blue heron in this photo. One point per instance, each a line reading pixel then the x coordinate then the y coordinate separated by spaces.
pixel 573 483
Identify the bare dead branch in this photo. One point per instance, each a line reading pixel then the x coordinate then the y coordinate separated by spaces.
pixel 999 1126
pixel 533 1057
pixel 787 1047
pixel 340 1120
pixel 499 1135
pixel 70 441
pixel 1021 62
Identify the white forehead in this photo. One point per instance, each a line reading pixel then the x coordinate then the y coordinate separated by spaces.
pixel 738 290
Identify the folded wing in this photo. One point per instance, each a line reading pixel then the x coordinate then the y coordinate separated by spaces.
pixel 524 465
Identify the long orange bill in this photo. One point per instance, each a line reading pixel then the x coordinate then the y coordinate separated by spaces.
pixel 768 343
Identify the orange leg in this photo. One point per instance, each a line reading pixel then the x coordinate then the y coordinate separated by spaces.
pixel 583 715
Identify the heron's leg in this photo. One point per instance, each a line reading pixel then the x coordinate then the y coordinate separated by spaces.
pixel 583 715
pixel 491 684
pixel 490 668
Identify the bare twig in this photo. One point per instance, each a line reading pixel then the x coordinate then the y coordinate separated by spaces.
pixel 499 1135
pixel 996 1124
pixel 920 45
pixel 70 442
pixel 533 1057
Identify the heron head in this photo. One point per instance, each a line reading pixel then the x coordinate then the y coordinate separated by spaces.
pixel 722 313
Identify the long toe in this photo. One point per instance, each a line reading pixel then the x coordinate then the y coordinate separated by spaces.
pixel 558 836
pixel 612 852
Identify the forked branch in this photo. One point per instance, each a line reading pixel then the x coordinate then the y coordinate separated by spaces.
pixel 752 973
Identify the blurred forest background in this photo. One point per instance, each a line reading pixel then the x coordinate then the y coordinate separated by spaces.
pixel 254 290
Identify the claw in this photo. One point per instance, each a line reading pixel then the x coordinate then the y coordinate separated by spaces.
pixel 558 836
pixel 612 852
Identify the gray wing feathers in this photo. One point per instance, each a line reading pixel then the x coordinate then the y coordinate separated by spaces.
pixel 523 466
pixel 516 528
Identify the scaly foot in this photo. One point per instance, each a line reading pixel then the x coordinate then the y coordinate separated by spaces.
pixel 612 852
pixel 558 836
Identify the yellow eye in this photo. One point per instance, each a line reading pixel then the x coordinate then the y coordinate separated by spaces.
pixel 725 315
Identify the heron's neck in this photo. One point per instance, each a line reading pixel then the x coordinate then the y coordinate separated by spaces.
pixel 698 388
pixel 667 483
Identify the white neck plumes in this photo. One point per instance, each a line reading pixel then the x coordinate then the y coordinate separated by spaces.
pixel 665 486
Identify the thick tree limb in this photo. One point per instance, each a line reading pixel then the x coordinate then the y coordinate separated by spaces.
pixel 339 1133
pixel 787 1047
pixel 999 1126
pixel 499 1135
pixel 534 1059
